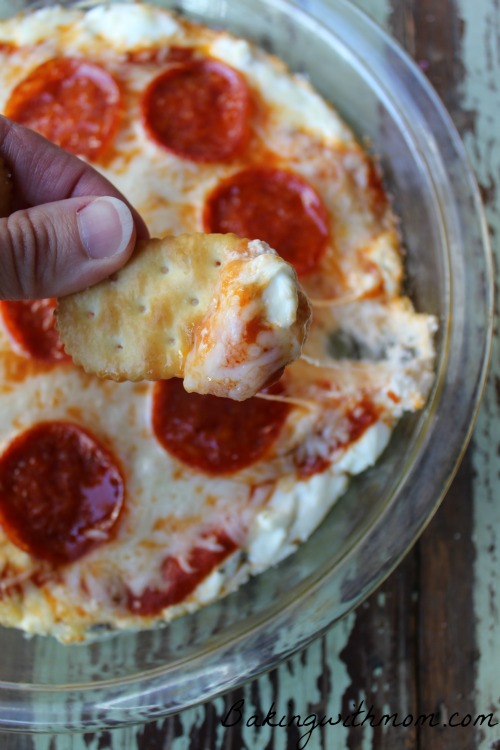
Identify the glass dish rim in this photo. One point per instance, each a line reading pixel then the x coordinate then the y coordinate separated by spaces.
pixel 149 683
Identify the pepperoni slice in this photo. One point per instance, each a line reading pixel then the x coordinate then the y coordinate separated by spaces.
pixel 61 492
pixel 217 435
pixel 32 326
pixel 71 102
pixel 357 420
pixel 181 580
pixel 199 110
pixel 273 205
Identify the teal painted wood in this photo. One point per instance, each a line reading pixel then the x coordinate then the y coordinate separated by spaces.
pixel 481 101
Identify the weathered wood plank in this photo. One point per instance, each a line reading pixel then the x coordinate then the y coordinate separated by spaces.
pixel 431 30
pixel 481 99
pixel 447 650
pixel 380 657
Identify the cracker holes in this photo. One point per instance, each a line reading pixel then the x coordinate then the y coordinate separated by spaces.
pixel 90 314
pixel 141 309
pixel 164 270
pixel 118 347
pixel 218 263
pixel 194 301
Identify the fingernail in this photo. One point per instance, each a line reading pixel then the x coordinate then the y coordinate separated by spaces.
pixel 105 227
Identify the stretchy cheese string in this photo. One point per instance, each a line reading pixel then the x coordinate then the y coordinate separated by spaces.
pixel 348 299
pixel 302 403
pixel 333 364
pixel 360 366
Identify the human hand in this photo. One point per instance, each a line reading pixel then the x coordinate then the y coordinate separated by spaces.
pixel 69 227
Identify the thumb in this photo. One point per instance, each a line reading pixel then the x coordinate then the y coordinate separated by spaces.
pixel 58 248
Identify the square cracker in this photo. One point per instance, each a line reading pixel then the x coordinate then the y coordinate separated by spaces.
pixel 138 324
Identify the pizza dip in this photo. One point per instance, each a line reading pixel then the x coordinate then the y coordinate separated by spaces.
pixel 125 504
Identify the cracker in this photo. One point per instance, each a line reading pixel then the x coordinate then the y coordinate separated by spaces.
pixel 177 299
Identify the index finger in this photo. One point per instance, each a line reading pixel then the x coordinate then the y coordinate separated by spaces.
pixel 43 173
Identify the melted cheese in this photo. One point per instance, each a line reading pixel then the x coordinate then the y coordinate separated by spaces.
pixel 257 295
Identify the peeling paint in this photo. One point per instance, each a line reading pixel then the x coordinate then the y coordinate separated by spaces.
pixel 481 52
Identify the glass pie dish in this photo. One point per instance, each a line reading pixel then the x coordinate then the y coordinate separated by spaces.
pixel 131 677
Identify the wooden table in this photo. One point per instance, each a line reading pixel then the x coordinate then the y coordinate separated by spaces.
pixel 429 640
